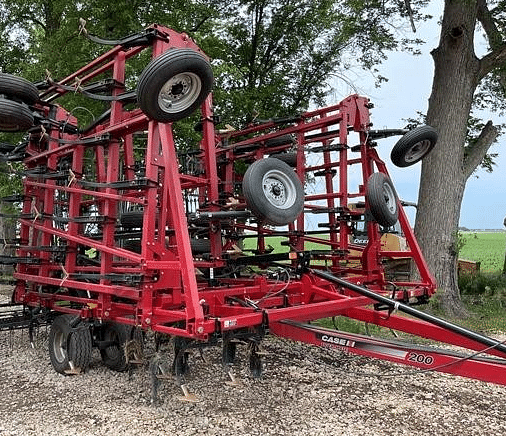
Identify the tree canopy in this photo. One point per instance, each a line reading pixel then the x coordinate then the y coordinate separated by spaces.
pixel 271 57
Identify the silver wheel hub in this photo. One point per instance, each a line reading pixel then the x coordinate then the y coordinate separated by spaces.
pixel 389 198
pixel 60 346
pixel 417 151
pixel 279 189
pixel 179 92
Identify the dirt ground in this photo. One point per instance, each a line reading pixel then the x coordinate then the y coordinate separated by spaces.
pixel 304 391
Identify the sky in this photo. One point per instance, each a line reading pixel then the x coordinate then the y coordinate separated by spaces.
pixel 406 93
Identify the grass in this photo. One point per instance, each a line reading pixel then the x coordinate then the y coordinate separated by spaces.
pixel 484 247
pixel 274 242
pixel 484 294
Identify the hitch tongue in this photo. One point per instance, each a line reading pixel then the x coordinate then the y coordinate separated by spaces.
pixel 396 305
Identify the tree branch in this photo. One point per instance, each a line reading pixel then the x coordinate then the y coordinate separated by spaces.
pixel 487 21
pixel 255 41
pixel 497 56
pixel 33 20
pixel 491 61
pixel 477 151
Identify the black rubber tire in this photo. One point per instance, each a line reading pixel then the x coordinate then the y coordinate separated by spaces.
pixel 382 199
pixel 413 146
pixel 18 88
pixel 187 78
pixel 273 192
pixel 114 355
pixel 288 158
pixel 14 116
pixel 67 344
pixel 200 246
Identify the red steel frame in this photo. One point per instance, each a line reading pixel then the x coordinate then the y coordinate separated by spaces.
pixel 73 254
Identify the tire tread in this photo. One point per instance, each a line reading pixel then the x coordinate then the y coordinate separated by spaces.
pixel 376 200
pixel 173 59
pixel 18 88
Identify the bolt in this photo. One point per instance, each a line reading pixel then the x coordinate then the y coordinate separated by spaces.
pixel 148 321
pixel 200 330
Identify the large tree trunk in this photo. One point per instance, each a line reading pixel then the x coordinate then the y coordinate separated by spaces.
pixel 443 177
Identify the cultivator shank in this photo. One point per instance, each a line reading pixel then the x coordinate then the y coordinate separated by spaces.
pixel 121 224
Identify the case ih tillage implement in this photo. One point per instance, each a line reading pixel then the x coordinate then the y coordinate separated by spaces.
pixel 121 233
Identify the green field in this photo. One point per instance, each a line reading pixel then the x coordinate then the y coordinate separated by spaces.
pixel 488 248
pixel 275 243
pixel 484 295
pixel 485 247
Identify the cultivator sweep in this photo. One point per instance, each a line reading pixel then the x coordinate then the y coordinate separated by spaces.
pixel 125 227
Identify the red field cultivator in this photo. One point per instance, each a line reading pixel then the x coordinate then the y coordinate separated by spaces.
pixel 121 231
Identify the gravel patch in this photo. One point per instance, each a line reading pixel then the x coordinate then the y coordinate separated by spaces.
pixel 305 390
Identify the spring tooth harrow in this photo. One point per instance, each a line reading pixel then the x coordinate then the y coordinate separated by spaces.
pixel 120 232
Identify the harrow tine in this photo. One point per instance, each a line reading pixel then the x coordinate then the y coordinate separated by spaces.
pixel 228 356
pixel 73 370
pixel 233 380
pixel 188 397
pixel 134 355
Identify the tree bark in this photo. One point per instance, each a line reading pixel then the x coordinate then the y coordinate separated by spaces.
pixel 442 178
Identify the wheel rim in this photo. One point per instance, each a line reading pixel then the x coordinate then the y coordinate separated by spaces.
pixel 279 189
pixel 418 151
pixel 60 346
pixel 389 197
pixel 179 92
